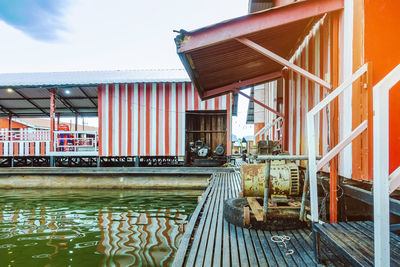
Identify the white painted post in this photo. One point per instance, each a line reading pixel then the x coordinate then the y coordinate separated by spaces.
pixel 312 167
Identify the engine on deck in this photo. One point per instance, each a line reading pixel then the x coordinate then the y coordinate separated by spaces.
pixel 202 155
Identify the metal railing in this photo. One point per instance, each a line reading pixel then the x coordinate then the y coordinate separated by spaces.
pixel 24 135
pixel 75 142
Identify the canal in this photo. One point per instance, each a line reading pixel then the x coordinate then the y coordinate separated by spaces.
pixel 92 227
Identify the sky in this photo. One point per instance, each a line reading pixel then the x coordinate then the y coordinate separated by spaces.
pixel 70 35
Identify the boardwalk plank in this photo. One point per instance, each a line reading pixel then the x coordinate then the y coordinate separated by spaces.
pixel 226 260
pixel 242 247
pixel 251 253
pixel 342 244
pixel 299 249
pixel 183 246
pixel 209 227
pixel 258 248
pixel 198 235
pixel 269 255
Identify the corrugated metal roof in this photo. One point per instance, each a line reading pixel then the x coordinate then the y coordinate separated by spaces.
pixel 91 77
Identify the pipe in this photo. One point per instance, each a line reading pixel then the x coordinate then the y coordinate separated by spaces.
pixel 267 174
pixel 285 157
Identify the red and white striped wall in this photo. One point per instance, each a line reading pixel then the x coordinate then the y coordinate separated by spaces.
pixel 148 119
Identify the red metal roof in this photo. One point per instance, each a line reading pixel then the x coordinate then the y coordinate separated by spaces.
pixel 216 62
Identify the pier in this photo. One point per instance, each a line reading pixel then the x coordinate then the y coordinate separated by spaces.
pixel 211 241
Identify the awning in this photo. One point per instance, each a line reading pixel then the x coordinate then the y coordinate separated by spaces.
pixel 218 59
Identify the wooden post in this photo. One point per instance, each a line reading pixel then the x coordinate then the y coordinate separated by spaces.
pixel 333 117
pixel 286 109
pixel 52 112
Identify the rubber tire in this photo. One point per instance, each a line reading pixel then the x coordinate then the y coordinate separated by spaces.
pixel 233 210
pixel 233 213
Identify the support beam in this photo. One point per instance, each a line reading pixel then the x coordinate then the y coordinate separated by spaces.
pixel 52 114
pixel 241 84
pixel 280 60
pixel 260 103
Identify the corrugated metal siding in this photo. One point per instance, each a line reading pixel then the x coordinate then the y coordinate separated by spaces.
pixel 148 119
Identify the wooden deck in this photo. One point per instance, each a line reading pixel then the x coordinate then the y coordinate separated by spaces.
pixel 356 241
pixel 211 241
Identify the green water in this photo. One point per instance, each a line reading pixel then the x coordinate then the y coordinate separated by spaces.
pixel 92 227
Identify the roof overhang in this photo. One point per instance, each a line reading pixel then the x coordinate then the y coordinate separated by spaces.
pixel 76 92
pixel 217 62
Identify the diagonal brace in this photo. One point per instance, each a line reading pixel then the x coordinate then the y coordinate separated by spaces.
pixel 271 55
pixel 260 103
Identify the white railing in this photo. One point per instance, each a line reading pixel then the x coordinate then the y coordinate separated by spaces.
pixel 30 141
pixel 24 135
pixel 313 166
pixel 268 127
pixel 384 184
pixel 75 143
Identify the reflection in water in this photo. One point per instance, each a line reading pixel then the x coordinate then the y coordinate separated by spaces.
pixel 92 227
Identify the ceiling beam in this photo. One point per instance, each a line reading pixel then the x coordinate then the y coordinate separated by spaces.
pixel 241 84
pixel 6 110
pixel 252 23
pixel 280 60
pixel 91 100
pixel 31 102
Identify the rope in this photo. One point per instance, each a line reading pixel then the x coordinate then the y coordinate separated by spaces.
pixel 282 239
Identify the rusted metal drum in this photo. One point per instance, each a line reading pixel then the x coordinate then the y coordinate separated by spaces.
pixel 284 179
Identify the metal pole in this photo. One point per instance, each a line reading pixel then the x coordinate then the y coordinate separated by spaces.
pixel 76 122
pixel 58 121
pixel 10 122
pixel 52 111
pixel 267 174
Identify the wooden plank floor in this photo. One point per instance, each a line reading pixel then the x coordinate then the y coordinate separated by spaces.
pixel 356 240
pixel 211 241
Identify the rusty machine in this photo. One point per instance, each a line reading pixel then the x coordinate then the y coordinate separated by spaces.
pixel 270 197
pixel 202 155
